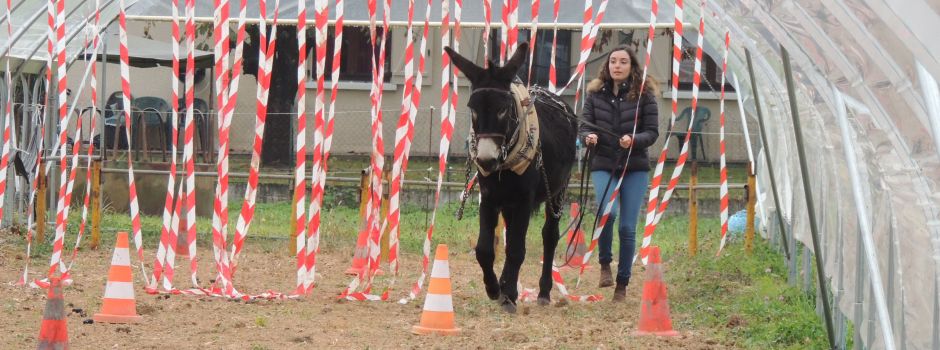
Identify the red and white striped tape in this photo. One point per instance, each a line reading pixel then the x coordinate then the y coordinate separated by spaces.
pixel 317 174
pixel 512 39
pixel 413 112
pixel 608 207
pixel 684 152
pixel 61 86
pixel 334 86
pixel 723 192
pixel 313 244
pixel 378 155
pixel 588 36
pixel 7 115
pixel 220 205
pixel 552 72
pixel 126 94
pixel 221 51
pixel 165 244
pixel 487 23
pixel 653 201
pixel 533 31
pixel 73 170
pixel 403 130
pixel 188 134
pixel 265 59
pixel 300 146
pixel 503 33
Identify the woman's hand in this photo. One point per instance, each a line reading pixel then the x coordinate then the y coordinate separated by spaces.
pixel 626 141
pixel 591 139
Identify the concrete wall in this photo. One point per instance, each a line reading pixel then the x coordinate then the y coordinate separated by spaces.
pixel 352 133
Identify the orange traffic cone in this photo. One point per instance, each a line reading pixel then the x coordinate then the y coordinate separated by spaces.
pixel 574 253
pixel 438 315
pixel 53 333
pixel 654 308
pixel 119 305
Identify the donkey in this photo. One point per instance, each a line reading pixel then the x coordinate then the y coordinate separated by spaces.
pixel 523 160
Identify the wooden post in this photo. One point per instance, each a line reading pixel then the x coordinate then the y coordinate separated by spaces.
pixel 95 203
pixel 292 242
pixel 41 204
pixel 386 174
pixel 751 195
pixel 363 197
pixel 693 211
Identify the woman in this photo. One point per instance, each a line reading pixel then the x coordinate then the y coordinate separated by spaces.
pixel 611 107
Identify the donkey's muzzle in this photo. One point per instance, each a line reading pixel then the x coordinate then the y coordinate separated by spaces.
pixel 488 154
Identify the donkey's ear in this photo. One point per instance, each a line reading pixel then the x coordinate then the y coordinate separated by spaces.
pixel 512 66
pixel 470 69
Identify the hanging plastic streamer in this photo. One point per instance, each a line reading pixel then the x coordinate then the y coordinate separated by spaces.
pixel 167 245
pixel 220 205
pixel 38 175
pixel 221 50
pixel 405 127
pixel 533 31
pixel 723 192
pixel 7 114
pixel 300 147
pixel 55 262
pixel 658 171
pixel 588 36
pixel 608 206
pixel 503 32
pixel 314 248
pixel 91 145
pixel 266 59
pixel 373 205
pixel 487 23
pixel 552 72
pixel 684 152
pixel 317 182
pixel 413 112
pixel 126 94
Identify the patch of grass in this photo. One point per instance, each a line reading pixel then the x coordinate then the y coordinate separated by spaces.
pixel 738 299
pixel 744 299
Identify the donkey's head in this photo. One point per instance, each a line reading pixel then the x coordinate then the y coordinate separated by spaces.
pixel 492 107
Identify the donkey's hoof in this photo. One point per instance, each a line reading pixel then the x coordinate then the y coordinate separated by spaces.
pixel 508 305
pixel 542 301
pixel 492 293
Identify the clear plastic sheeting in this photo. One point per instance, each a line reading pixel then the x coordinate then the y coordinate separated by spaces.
pixel 617 11
pixel 30 49
pixel 869 51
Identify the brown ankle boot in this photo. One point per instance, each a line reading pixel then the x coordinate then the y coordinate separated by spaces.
pixel 606 278
pixel 620 291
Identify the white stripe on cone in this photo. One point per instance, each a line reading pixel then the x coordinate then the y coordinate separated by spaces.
pixel 438 303
pixel 440 270
pixel 122 257
pixel 119 290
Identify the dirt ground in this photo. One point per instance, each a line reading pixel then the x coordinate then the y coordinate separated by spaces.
pixel 319 320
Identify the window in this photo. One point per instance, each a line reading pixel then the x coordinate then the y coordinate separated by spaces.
pixel 711 70
pixel 543 54
pixel 356 62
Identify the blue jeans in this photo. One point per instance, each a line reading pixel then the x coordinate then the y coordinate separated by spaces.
pixel 632 191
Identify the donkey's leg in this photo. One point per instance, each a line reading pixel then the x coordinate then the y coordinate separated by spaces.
pixel 484 250
pixel 549 242
pixel 517 222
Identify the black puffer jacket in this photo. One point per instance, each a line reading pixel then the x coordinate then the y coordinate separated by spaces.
pixel 616 114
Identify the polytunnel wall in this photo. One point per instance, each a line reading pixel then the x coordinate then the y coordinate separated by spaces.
pixel 877 56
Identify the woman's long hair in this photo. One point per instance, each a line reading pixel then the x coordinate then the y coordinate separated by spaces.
pixel 636 74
